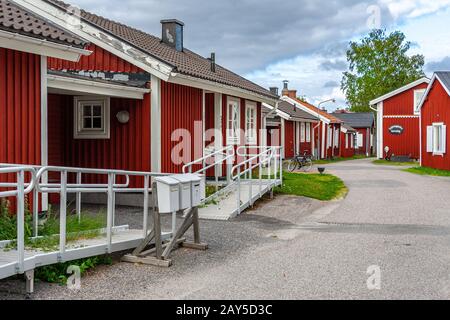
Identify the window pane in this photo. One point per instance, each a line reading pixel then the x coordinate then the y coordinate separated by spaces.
pixel 97 111
pixel 97 123
pixel 87 111
pixel 87 123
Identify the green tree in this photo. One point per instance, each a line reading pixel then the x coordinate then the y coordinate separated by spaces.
pixel 379 64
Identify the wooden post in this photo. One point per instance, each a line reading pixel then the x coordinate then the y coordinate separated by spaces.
pixel 156 223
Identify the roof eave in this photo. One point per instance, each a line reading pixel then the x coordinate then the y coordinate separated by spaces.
pixel 399 90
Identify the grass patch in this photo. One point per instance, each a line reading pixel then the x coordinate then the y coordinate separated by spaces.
pixel 57 273
pixel 384 162
pixel 339 159
pixel 424 171
pixel 323 187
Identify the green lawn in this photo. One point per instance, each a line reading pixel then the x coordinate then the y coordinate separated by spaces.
pixel 394 163
pixel 321 187
pixel 339 159
pixel 424 171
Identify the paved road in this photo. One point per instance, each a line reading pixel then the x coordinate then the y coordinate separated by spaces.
pixel 296 248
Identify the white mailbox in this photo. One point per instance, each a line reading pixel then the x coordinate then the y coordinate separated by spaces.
pixel 168 194
pixel 196 189
pixel 185 182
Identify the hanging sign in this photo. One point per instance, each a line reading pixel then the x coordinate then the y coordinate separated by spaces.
pixel 397 130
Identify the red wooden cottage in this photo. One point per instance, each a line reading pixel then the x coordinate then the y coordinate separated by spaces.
pixel 347 141
pixel 26 40
pixel 435 117
pixel 137 102
pixel 398 120
pixel 364 124
pixel 326 132
pixel 290 127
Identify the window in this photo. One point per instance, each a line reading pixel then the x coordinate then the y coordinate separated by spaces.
pixel 347 136
pixel 308 132
pixel 359 140
pixel 302 132
pixel 352 141
pixel 233 118
pixel 91 117
pixel 329 136
pixel 418 95
pixel 250 122
pixel 336 137
pixel 437 139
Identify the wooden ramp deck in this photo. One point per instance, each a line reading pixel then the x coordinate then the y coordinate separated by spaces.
pixel 122 239
pixel 225 206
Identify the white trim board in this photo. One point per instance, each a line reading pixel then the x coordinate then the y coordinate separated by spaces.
pixel 399 90
pixel 82 86
pixel 430 85
pixel 23 43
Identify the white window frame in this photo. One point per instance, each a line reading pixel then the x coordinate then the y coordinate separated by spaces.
pixel 329 136
pixel 91 133
pixel 359 140
pixel 302 132
pixel 346 140
pixel 439 147
pixel 417 100
pixel 352 141
pixel 308 132
pixel 251 132
pixel 233 133
pixel 336 137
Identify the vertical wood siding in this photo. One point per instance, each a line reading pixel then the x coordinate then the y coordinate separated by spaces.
pixel 289 139
pixel 99 60
pixel 128 147
pixel 406 144
pixel 436 109
pixel 403 103
pixel 181 107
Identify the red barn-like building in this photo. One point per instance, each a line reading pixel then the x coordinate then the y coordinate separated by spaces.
pixel 398 120
pixel 435 117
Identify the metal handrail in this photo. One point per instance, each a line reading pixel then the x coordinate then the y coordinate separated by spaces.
pixel 224 152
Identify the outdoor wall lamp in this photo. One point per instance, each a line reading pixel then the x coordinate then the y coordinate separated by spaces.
pixel 123 116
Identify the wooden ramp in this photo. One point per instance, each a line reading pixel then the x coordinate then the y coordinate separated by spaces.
pixel 225 205
pixel 122 239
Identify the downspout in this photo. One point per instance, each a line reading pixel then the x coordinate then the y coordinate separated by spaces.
pixel 274 110
pixel 375 142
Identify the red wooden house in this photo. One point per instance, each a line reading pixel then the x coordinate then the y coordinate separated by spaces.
pixel 326 132
pixel 138 102
pixel 290 127
pixel 347 143
pixel 364 125
pixel 26 40
pixel 435 117
pixel 398 120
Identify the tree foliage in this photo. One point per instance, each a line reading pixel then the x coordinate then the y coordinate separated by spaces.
pixel 379 64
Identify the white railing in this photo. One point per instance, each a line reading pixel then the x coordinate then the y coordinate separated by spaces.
pixel 22 189
pixel 245 169
pixel 39 186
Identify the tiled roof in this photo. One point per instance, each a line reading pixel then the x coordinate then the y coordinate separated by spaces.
pixel 16 19
pixel 444 76
pixel 294 112
pixel 350 129
pixel 357 119
pixel 185 62
pixel 325 114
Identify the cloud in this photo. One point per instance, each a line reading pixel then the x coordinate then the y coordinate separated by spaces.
pixel 413 8
pixel 331 84
pixel 329 65
pixel 443 65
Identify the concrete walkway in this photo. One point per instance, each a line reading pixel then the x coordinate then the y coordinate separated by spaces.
pixel 297 248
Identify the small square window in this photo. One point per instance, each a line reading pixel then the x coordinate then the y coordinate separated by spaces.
pixel 91 118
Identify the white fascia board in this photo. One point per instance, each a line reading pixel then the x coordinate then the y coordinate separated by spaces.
pixel 185 80
pixel 399 90
pixel 100 38
pixel 41 47
pixel 430 85
pixel 279 113
pixel 306 109
pixel 95 87
pixel 344 130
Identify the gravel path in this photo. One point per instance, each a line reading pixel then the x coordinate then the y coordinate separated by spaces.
pixel 297 248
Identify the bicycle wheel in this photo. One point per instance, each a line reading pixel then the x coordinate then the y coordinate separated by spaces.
pixel 292 165
pixel 307 165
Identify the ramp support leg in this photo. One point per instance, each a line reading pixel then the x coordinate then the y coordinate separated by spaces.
pixel 29 278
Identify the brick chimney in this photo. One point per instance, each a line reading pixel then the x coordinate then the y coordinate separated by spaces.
pixel 172 33
pixel 289 93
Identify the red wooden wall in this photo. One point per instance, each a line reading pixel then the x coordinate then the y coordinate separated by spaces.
pixel 128 147
pixel 402 105
pixel 289 141
pixel 346 152
pixel 436 109
pixel 181 107
pixel 20 110
pixel 99 60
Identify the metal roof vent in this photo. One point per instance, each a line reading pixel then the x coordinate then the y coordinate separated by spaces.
pixel 213 62
pixel 172 33
pixel 274 90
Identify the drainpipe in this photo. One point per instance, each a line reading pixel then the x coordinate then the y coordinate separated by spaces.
pixel 274 110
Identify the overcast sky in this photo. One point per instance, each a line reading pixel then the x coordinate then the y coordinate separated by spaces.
pixel 303 41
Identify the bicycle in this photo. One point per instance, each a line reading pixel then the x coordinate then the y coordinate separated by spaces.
pixel 302 162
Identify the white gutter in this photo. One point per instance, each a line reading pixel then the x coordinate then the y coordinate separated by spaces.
pixel 95 87
pixel 42 47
